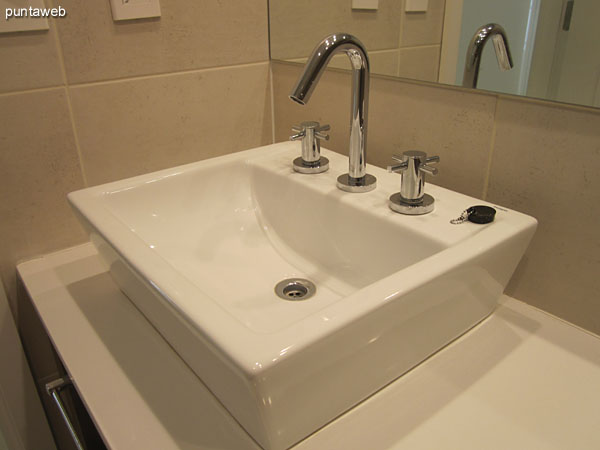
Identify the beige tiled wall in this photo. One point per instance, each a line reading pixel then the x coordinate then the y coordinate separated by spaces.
pixel 419 63
pixel 29 60
pixel 539 158
pixel 92 100
pixel 189 35
pixel 423 28
pixel 170 120
pixel 39 165
pixel 546 162
pixel 421 42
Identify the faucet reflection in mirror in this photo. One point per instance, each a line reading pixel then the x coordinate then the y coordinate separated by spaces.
pixel 357 179
pixel 553 53
pixel 473 59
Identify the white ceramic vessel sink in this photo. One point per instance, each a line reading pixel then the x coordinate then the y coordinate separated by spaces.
pixel 199 249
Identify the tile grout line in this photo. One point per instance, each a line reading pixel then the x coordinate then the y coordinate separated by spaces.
pixel 32 90
pixel 272 103
pixel 401 24
pixel 127 79
pixel 167 74
pixel 69 104
pixel 271 84
pixel 488 171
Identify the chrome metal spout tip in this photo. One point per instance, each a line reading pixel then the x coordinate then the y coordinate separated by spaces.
pixel 297 100
pixel 502 52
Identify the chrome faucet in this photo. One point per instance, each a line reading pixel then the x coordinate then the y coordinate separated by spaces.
pixel 473 60
pixel 357 179
pixel 412 198
pixel 311 161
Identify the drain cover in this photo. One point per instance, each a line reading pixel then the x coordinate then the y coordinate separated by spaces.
pixel 295 289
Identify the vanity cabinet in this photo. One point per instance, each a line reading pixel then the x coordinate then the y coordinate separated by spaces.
pixel 521 371
pixel 137 391
pixel 47 368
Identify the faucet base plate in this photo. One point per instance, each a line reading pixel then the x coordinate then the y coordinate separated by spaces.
pixel 319 166
pixel 398 205
pixel 349 184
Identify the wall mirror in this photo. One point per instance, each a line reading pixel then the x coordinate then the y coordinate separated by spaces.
pixel 555 44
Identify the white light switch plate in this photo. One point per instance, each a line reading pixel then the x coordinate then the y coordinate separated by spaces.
pixel 134 9
pixel 416 5
pixel 365 4
pixel 21 23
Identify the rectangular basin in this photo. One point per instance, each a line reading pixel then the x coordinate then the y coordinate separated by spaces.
pixel 200 248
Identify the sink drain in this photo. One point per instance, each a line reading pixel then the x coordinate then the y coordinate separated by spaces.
pixel 295 289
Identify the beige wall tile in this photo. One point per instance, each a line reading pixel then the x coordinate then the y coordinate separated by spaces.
pixel 455 124
pixel 295 30
pixel 142 125
pixel 188 35
pixel 419 63
pixel 546 162
pixel 38 167
pixel 423 28
pixel 384 62
pixel 29 60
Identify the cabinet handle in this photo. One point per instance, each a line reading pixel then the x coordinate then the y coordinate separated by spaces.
pixel 53 389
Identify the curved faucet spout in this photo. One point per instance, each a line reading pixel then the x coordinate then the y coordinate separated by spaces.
pixel 357 178
pixel 473 60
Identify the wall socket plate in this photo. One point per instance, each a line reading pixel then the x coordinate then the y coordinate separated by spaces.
pixel 365 4
pixel 134 9
pixel 10 25
pixel 416 6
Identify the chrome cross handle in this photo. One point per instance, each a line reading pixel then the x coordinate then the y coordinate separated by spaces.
pixel 414 156
pixel 311 133
pixel 305 129
pixel 413 165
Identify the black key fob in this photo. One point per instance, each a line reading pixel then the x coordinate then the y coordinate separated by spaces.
pixel 481 214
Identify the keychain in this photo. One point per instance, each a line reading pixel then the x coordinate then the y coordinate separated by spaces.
pixel 476 214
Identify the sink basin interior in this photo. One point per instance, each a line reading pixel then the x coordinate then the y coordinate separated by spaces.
pixel 254 228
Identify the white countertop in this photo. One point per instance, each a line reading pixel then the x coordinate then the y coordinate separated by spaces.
pixel 520 379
